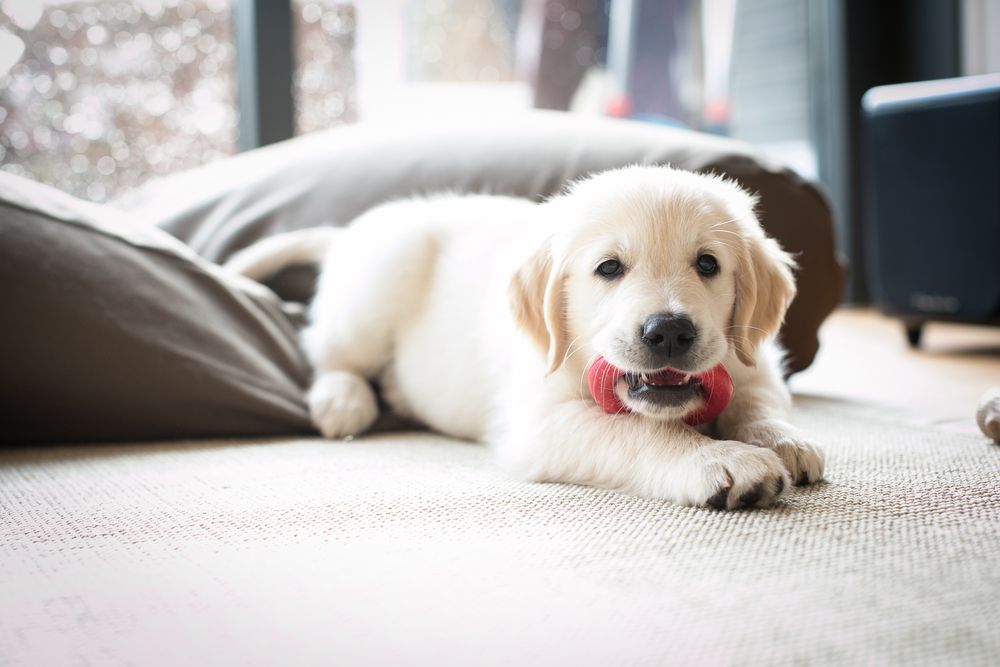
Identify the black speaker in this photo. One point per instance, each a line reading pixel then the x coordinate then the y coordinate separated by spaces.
pixel 933 200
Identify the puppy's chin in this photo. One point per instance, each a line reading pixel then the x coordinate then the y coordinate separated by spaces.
pixel 668 393
pixel 651 408
pixel 664 402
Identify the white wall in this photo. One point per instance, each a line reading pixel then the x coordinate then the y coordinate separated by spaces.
pixel 980 36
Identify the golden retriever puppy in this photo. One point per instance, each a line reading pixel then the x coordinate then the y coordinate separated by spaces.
pixel 480 316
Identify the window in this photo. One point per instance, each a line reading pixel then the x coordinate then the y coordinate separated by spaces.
pixel 110 93
pixel 324 78
pixel 98 96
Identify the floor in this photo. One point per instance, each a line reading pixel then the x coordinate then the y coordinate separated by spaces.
pixel 864 357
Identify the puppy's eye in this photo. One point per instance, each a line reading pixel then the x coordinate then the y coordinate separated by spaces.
pixel 707 265
pixel 610 268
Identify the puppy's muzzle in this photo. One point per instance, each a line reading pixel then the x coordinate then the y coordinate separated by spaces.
pixel 668 337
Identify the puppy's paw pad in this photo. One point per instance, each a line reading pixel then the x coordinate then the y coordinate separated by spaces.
pixel 342 404
pixel 751 497
pixel 805 461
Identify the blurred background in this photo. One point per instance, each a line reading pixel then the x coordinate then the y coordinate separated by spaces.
pixel 99 96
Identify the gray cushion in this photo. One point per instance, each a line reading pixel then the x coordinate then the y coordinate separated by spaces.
pixel 115 330
pixel 111 331
pixel 331 177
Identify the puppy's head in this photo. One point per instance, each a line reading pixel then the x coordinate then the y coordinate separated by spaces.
pixel 662 272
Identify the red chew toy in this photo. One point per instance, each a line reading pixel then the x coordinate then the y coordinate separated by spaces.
pixel 715 386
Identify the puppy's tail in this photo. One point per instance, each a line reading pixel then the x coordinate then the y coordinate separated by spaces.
pixel 265 258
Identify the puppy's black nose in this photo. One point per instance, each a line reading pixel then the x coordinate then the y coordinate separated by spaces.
pixel 669 335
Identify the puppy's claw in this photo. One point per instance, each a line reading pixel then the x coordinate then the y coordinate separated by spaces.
pixel 720 499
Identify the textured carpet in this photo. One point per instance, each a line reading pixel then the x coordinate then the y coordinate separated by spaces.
pixel 412 549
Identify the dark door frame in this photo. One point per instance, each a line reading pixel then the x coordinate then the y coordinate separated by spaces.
pixel 264 69
pixel 872 44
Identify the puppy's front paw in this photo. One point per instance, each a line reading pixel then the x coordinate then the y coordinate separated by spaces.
pixel 342 404
pixel 804 460
pixel 737 476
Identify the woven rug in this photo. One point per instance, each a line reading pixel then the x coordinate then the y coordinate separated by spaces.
pixel 412 549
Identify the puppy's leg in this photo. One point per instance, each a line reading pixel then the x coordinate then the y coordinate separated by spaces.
pixel 341 400
pixel 758 414
pixel 365 294
pixel 577 443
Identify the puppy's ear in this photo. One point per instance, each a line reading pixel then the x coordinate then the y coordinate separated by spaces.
pixel 765 287
pixel 537 301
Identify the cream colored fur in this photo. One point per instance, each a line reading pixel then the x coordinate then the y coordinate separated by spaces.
pixel 480 316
